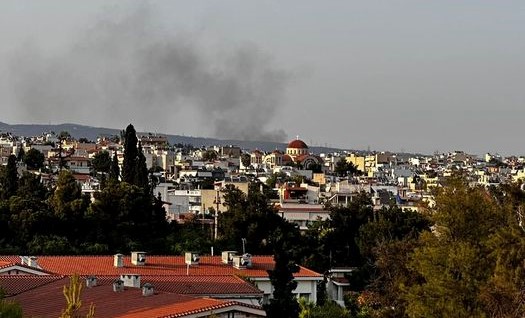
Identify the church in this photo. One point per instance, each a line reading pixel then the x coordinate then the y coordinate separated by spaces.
pixel 297 154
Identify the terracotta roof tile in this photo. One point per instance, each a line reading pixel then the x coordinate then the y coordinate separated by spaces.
pixel 155 265
pixel 126 304
pixel 203 285
pixel 16 284
pixel 4 263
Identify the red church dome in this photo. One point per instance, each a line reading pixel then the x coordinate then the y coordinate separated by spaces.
pixel 297 144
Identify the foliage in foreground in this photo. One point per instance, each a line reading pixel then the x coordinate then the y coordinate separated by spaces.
pixel 72 294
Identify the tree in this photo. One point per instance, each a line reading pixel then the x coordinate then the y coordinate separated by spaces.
pixel 9 309
pixel 277 177
pixel 73 302
pixel 101 162
pixel 114 169
pixel 306 307
pixel 327 310
pixel 9 178
pixel 64 135
pixel 124 218
pixel 284 240
pixel 454 261
pixel 62 163
pixel 34 159
pixel 134 168
pixel 69 207
pixel 20 157
pixel 391 224
pixel 386 243
pixel 343 168
pixel 248 216
pixel 129 167
pixel 141 171
pixel 504 293
pixel 245 160
pixel 30 186
pixel 210 155
pixel 50 245
pixel 27 212
pixel 345 223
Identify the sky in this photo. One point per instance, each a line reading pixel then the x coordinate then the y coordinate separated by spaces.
pixel 414 76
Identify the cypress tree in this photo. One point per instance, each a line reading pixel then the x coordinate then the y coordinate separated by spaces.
pixel 9 178
pixel 141 176
pixel 114 169
pixel 129 167
pixel 284 303
pixel 21 154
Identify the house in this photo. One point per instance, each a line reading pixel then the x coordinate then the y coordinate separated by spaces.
pixel 78 164
pixel 302 214
pixel 126 302
pixel 211 276
pixel 338 284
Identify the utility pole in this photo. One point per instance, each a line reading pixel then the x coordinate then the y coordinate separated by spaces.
pixel 217 202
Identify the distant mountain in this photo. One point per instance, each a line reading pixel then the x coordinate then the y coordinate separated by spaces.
pixel 91 133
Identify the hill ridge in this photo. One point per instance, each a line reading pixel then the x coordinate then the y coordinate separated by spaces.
pixel 91 133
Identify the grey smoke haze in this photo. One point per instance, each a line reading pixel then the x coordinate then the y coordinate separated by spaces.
pixel 128 67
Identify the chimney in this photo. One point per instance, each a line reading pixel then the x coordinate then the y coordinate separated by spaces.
pixel 147 290
pixel 118 285
pixel 118 260
pixel 91 281
pixel 131 280
pixel 24 260
pixel 227 257
pixel 138 258
pixel 33 262
pixel 191 258
pixel 242 262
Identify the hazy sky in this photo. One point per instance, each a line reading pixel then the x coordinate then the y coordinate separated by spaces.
pixel 386 75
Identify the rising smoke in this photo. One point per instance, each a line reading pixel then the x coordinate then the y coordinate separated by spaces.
pixel 129 67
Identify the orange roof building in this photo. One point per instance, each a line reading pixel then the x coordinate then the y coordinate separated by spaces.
pixel 230 287
pixel 44 298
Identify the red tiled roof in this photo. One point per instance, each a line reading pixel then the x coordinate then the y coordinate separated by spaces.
pixel 126 304
pixel 4 264
pixel 155 265
pixel 193 306
pixel 203 285
pixel 16 284
pixel 226 285
pixel 297 144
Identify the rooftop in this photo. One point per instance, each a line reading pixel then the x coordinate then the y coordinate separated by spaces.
pixel 155 266
pixel 126 304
